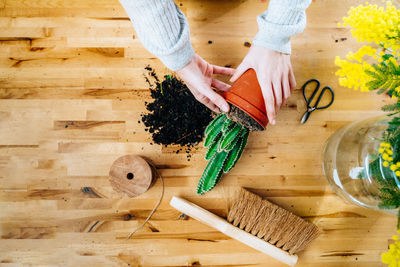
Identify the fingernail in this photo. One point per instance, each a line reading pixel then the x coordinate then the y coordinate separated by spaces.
pixel 273 122
pixel 225 108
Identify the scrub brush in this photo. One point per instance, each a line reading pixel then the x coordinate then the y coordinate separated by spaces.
pixel 259 224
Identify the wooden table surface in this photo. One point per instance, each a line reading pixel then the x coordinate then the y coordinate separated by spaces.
pixel 72 90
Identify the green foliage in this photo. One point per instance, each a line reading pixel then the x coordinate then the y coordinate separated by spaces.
pixel 385 77
pixel 396 148
pixel 389 189
pixel 390 198
pixel 392 136
pixel 392 107
pixel 226 141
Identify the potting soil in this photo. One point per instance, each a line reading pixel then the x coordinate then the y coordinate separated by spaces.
pixel 174 116
pixel 244 119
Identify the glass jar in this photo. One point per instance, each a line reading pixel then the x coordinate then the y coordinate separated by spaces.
pixel 353 166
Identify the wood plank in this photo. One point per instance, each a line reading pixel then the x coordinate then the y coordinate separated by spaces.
pixel 72 90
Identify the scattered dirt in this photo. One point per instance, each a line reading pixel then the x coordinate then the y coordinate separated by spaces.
pixel 241 117
pixel 247 44
pixel 174 116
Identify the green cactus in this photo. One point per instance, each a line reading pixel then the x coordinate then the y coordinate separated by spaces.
pixel 228 124
pixel 235 153
pixel 213 148
pixel 230 136
pixel 213 170
pixel 213 135
pixel 220 118
pixel 232 144
pixel 225 140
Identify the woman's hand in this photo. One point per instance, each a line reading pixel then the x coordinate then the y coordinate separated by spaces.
pixel 274 73
pixel 198 76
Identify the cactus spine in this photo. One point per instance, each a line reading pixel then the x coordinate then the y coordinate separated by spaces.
pixel 225 140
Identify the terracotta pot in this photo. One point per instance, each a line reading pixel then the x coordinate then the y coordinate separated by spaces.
pixel 246 94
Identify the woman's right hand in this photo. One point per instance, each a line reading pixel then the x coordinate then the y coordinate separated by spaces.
pixel 274 73
pixel 198 76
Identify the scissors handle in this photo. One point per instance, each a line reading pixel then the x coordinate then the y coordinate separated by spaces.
pixel 320 96
pixel 308 101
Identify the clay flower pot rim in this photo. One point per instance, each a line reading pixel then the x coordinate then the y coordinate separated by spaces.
pixel 246 95
pixel 244 106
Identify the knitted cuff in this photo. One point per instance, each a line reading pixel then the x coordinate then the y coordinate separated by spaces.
pixel 283 19
pixel 179 58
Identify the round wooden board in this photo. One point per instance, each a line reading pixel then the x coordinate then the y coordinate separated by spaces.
pixel 130 175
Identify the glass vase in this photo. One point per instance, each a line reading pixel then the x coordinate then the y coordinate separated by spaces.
pixel 354 167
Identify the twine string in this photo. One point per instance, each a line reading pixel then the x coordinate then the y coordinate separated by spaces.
pixel 157 204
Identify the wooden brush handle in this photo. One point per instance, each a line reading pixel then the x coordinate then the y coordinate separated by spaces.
pixel 228 229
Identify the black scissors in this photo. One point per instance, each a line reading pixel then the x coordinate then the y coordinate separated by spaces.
pixel 308 101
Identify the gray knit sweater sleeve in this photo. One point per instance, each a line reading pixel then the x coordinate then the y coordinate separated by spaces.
pixel 164 31
pixel 283 19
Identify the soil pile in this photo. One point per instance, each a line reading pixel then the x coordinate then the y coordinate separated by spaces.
pixel 174 116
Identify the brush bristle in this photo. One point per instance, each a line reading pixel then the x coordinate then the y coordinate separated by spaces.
pixel 274 224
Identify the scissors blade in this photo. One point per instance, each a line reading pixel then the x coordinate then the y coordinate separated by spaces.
pixel 305 117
